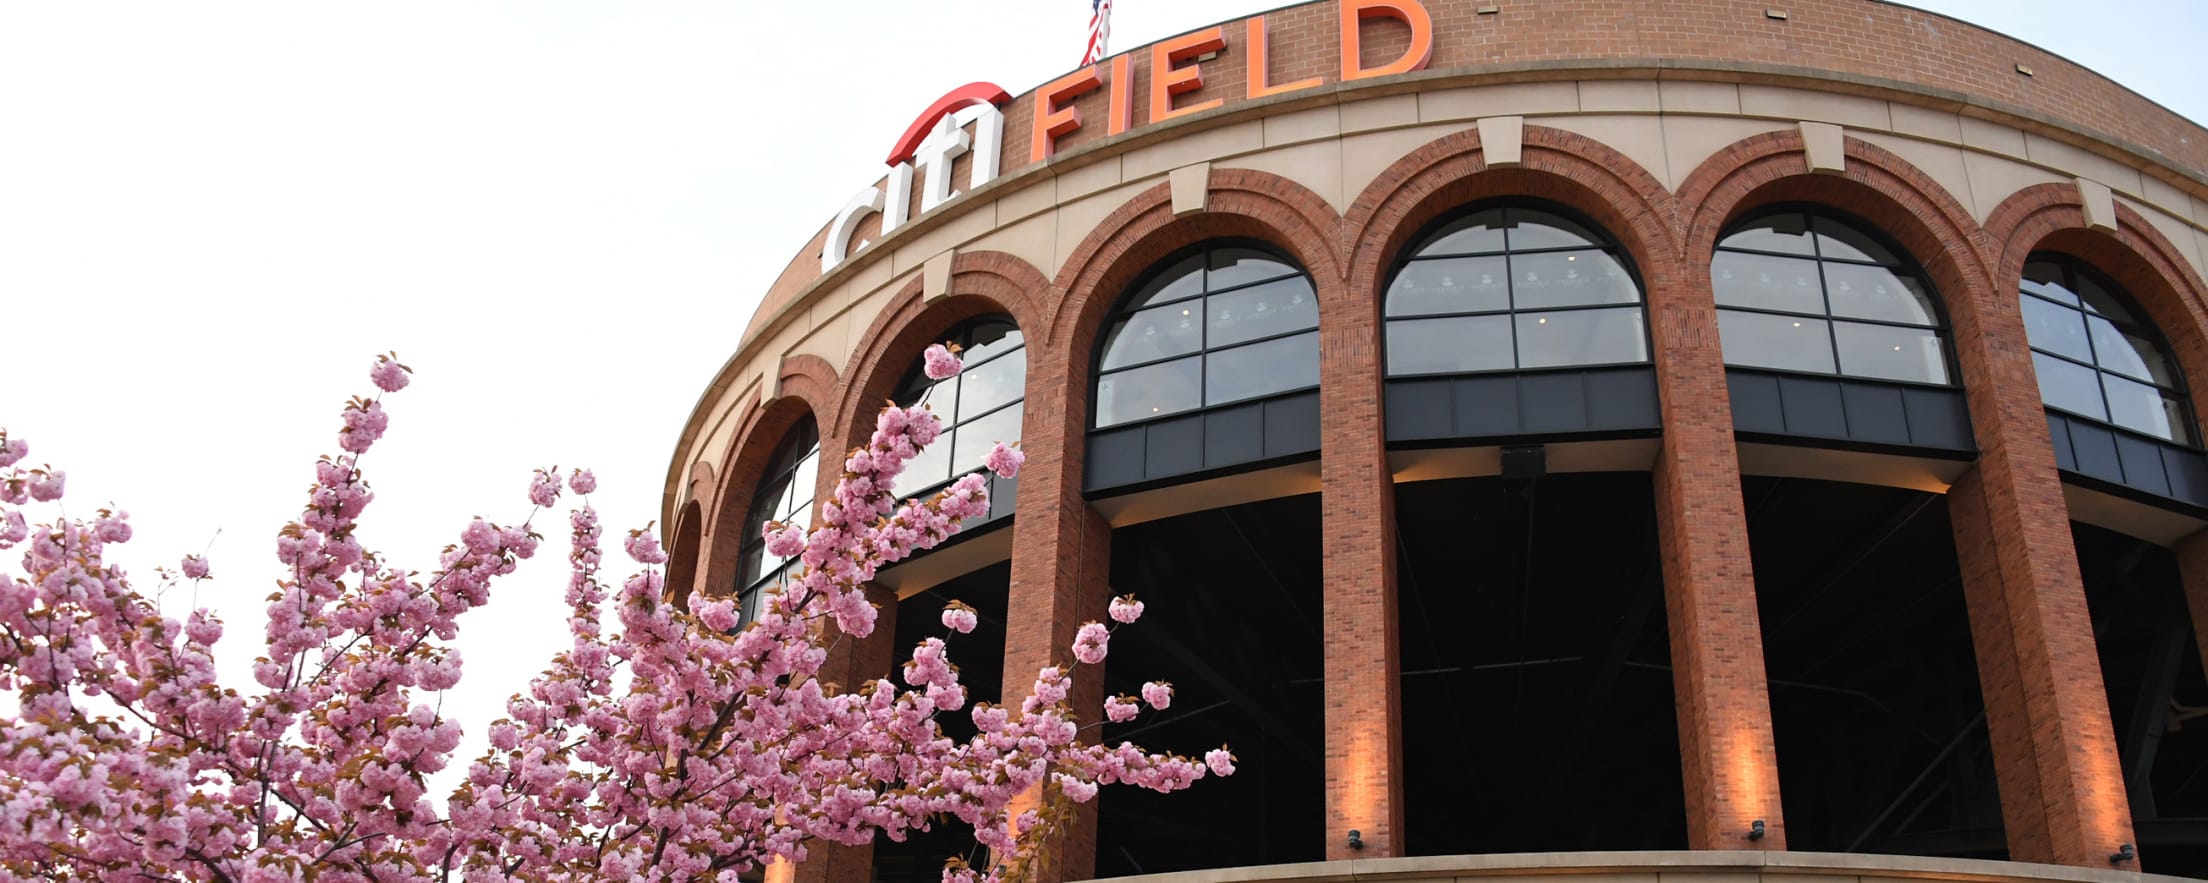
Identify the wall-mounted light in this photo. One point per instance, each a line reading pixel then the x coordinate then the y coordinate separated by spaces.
pixel 1356 839
pixel 1755 830
pixel 2123 854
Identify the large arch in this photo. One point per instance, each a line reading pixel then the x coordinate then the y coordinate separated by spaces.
pixel 805 387
pixel 981 282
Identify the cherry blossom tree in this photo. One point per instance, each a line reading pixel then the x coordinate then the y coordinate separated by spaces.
pixel 665 743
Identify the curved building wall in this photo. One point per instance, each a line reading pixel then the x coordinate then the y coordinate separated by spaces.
pixel 1662 124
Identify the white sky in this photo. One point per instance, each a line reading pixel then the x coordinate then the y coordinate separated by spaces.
pixel 212 216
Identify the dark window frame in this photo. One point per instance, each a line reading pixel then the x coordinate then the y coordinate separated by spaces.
pixel 2072 269
pixel 1126 308
pixel 1604 241
pixel 1905 265
pixel 800 443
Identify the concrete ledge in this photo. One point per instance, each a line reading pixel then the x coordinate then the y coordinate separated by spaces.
pixel 1703 866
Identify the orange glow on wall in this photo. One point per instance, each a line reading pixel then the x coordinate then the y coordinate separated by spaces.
pixel 1123 95
pixel 1260 81
pixel 1052 120
pixel 1166 80
pixel 1410 12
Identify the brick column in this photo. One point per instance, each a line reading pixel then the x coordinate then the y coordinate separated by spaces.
pixel 2054 748
pixel 1061 565
pixel 1726 756
pixel 1363 662
pixel 850 662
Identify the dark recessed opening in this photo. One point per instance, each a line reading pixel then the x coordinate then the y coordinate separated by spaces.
pixel 979 656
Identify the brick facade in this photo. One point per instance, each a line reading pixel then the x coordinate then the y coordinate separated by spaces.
pixel 2061 788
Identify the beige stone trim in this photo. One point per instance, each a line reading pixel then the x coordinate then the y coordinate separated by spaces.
pixel 935 275
pixel 1502 141
pixel 1191 188
pixel 2100 205
pixel 1825 144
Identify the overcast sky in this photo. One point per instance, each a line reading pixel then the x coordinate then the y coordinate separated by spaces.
pixel 212 216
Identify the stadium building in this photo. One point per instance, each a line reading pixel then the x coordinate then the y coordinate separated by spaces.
pixel 1598 439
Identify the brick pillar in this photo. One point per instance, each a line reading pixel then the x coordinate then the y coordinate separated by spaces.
pixel 1726 756
pixel 853 661
pixel 1061 565
pixel 1363 662
pixel 2054 748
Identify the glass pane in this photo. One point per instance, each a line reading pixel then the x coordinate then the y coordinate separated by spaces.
pixel 2129 353
pixel 1170 330
pixel 1149 391
pixel 748 569
pixel 1837 240
pixel 1530 229
pixel 801 489
pixel 2044 278
pixel 1183 279
pixel 2143 408
pixel 1770 283
pixel 1476 233
pixel 1570 279
pixel 990 340
pixel 1787 234
pixel 1247 372
pixel 1450 285
pixel 1890 353
pixel 939 395
pixel 1758 340
pixel 2073 388
pixel 1276 307
pixel 2098 299
pixel 2056 329
pixel 1242 266
pixel 914 385
pixel 1581 337
pixel 927 468
pixel 1441 346
pixel 1878 293
pixel 766 505
pixel 976 438
pixel 992 384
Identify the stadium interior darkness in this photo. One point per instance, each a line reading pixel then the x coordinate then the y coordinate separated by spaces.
pixel 1538 710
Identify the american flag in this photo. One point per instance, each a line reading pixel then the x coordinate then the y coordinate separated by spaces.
pixel 1100 31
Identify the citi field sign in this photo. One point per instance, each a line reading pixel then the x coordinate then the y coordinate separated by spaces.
pixel 970 120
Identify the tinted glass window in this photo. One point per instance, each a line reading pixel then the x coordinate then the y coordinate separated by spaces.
pixel 2094 356
pixel 1225 324
pixel 1513 287
pixel 1806 291
pixel 784 494
pixel 979 406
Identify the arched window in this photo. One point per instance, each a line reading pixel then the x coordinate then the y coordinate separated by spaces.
pixel 980 406
pixel 1512 287
pixel 1223 323
pixel 2097 356
pixel 1800 290
pixel 786 495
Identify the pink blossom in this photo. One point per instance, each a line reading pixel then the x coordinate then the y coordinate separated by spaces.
pixel 544 488
pixel 1158 693
pixel 1089 643
pixel 1120 709
pixel 1005 461
pixel 1220 762
pixel 45 486
pixel 784 541
pixel 583 481
pixel 1125 609
pixel 940 362
pixel 195 567
pixel 12 450
pixel 960 618
pixel 388 374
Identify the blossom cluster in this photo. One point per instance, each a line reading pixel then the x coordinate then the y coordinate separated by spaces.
pixel 669 741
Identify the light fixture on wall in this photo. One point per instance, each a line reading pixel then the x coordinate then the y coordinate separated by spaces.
pixel 1755 830
pixel 1356 839
pixel 2123 854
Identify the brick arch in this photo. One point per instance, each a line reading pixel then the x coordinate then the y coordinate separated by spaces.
pixel 1242 203
pixel 1878 186
pixel 806 386
pixel 982 282
pixel 2051 217
pixel 1563 167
